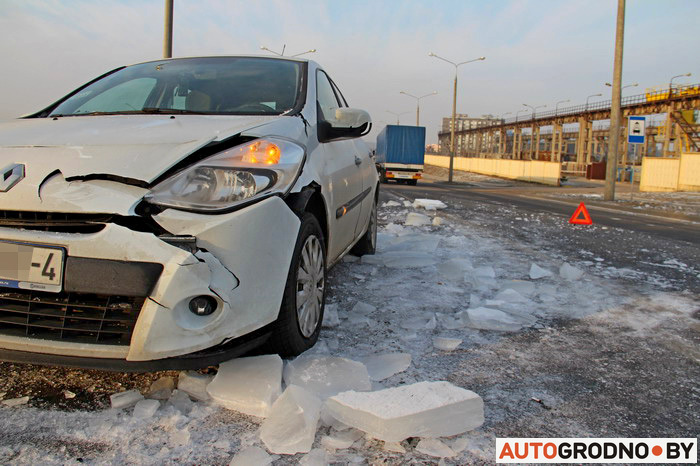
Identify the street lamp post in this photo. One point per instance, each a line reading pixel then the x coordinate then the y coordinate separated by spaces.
pixel 670 84
pixel 454 107
pixel 588 98
pixel 418 103
pixel 398 116
pixel 534 109
pixel 283 49
pixel 518 113
pixel 623 87
pixel 556 107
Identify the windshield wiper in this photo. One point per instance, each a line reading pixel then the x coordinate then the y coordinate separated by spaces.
pixel 146 110
pixel 178 111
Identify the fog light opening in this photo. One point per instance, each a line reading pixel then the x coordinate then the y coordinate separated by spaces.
pixel 203 305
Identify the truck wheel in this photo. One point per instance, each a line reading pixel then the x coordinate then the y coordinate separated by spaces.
pixel 368 243
pixel 301 314
pixel 413 182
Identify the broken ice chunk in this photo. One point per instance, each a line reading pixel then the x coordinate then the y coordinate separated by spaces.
pixel 434 447
pixel 414 219
pixel 330 316
pixel 460 444
pixel 510 296
pixel 252 456
pixel 363 308
pixel 524 287
pixel 391 204
pixel 424 322
pixel 569 272
pixel 326 375
pixel 383 366
pixel 350 258
pixel 414 242
pixel 429 204
pixel 161 389
pixel 316 457
pixel 341 440
pixel 125 399
pixel 454 269
pixel 146 408
pixel 194 384
pixel 359 320
pixel 424 409
pixel 485 318
pixel 437 221
pixel 17 401
pixel 180 437
pixel 537 272
pixel 446 344
pixel 407 204
pixel 290 427
pixel 248 385
pixel 181 401
pixel 485 271
pixel 452 322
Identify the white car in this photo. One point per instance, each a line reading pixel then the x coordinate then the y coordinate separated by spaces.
pixel 177 213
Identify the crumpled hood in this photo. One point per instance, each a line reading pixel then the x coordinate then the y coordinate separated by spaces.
pixel 139 147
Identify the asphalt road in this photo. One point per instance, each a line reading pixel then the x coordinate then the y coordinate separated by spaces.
pixel 661 250
pixel 661 227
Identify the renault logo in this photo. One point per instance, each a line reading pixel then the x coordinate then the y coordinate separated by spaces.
pixel 10 176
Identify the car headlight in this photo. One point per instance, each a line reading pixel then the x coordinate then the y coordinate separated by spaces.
pixel 237 175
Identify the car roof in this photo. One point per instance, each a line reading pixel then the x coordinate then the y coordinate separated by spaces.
pixel 295 59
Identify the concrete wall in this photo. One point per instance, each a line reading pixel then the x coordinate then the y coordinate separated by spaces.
pixel 671 174
pixel 524 170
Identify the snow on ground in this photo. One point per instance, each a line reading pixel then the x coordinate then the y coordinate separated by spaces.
pixel 427 287
pixel 684 203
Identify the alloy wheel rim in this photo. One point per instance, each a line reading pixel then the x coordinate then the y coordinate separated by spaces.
pixel 310 286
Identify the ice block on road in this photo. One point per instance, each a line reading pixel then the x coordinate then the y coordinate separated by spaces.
pixel 291 425
pixel 424 409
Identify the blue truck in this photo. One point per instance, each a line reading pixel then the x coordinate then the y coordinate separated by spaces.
pixel 400 153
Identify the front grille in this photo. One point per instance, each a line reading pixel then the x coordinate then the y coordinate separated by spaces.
pixel 54 221
pixel 73 317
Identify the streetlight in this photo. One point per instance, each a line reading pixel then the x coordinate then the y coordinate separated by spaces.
pixel 534 109
pixel 670 84
pixel 418 103
pixel 519 111
pixel 623 87
pixel 283 49
pixel 454 107
pixel 397 115
pixel 556 107
pixel 587 98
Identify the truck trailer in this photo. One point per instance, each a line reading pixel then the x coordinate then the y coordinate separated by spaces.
pixel 400 153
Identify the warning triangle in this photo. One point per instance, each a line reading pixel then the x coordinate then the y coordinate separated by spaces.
pixel 586 220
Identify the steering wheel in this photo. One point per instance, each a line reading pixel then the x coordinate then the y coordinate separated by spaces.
pixel 255 107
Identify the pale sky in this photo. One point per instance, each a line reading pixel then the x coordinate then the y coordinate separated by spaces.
pixel 537 52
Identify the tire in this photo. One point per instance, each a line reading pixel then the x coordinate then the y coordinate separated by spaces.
pixel 413 182
pixel 367 245
pixel 299 324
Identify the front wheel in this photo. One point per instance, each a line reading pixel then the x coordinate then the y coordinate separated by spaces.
pixel 368 243
pixel 299 322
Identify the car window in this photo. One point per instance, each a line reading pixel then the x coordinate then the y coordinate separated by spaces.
pixel 129 95
pixel 212 85
pixel 327 101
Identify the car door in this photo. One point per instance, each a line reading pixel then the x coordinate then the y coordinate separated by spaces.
pixel 341 169
pixel 365 162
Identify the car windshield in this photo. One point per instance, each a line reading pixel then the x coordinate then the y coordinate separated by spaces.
pixel 212 86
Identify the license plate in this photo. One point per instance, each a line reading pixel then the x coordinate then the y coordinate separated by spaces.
pixel 400 175
pixel 31 267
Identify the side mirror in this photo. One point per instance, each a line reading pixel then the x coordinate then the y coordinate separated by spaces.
pixel 348 123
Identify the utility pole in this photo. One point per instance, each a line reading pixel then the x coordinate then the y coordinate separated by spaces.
pixel 168 31
pixel 615 110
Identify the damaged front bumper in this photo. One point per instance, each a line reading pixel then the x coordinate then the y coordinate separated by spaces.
pixel 240 259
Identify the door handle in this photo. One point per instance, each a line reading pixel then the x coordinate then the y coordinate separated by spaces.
pixel 358 160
